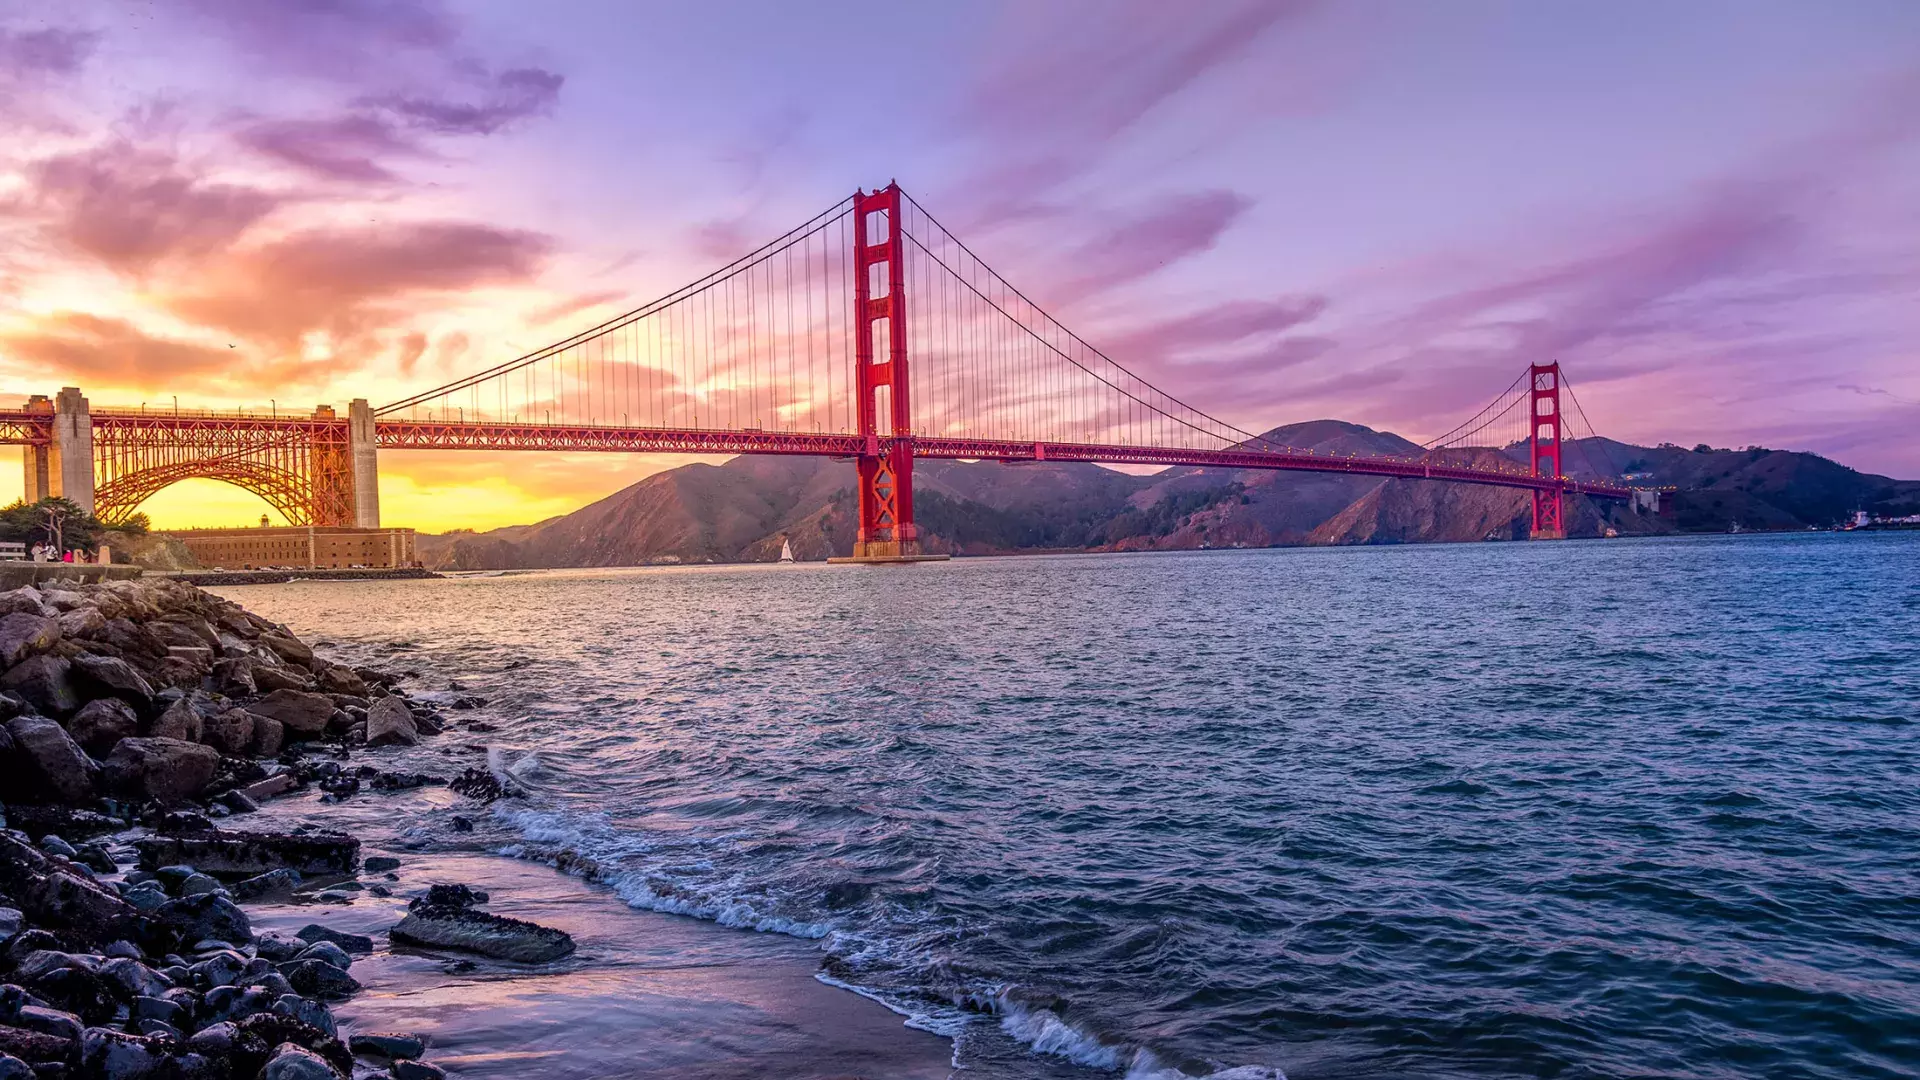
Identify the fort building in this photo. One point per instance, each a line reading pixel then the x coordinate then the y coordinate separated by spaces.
pixel 320 547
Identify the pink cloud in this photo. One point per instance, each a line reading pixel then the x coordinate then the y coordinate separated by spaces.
pixel 131 208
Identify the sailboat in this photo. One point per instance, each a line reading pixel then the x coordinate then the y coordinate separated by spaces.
pixel 786 550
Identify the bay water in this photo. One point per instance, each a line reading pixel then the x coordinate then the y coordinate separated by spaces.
pixel 1582 809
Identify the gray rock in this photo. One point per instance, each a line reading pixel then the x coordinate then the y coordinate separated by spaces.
pixel 101 724
pixel 307 1011
pixel 116 1055
pixel 387 1045
pixel 180 721
pixel 24 633
pixel 278 949
pixel 290 1062
pixel 25 598
pixel 288 648
pixel 304 715
pixel 327 952
pixel 166 770
pixel 337 679
pixel 60 770
pixel 48 1021
pixel 97 857
pixel 221 969
pixel 43 681
pixel 137 979
pixel 233 677
pixel 112 676
pixel 156 1008
pixel 380 863
pixel 80 623
pixel 233 852
pixel 208 915
pixel 274 984
pixel 53 845
pixel 197 884
pixel 12 1068
pixel 147 896
pixel 230 732
pixel 269 735
pixel 357 944
pixel 317 978
pixel 215 1040
pixel 174 875
pixel 389 723
pixel 417 1070
pixel 464 928
pixel 157 1029
pixel 273 881
pixel 11 922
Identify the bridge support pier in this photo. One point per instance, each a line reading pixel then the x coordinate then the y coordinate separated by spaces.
pixel 69 460
pixel 363 458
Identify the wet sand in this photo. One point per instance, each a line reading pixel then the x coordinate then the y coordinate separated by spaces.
pixel 646 995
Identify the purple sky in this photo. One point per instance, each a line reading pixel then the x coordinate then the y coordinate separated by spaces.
pixel 1709 212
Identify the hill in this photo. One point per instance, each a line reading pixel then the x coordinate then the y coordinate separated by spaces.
pixel 741 510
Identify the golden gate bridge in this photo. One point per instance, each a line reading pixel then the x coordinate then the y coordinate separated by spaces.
pixel 869 333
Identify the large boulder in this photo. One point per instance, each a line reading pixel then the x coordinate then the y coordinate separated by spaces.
pixel 110 676
pixel 82 622
pixel 57 770
pixel 303 715
pixel 24 633
pixel 55 895
pixel 288 648
pixel 134 640
pixel 167 770
pixel 25 599
pixel 180 721
pixel 240 854
pixel 390 723
pixel 43 681
pixel 270 677
pixel 230 732
pixel 268 736
pixel 340 679
pixel 206 915
pixel 454 927
pixel 101 723
pixel 233 677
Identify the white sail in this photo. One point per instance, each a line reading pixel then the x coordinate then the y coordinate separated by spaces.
pixel 786 551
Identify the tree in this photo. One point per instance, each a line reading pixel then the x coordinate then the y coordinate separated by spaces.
pixel 53 520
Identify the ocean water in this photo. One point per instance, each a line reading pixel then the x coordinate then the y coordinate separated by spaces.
pixel 1585 809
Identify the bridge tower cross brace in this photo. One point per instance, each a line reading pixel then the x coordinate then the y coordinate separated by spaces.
pixel 1543 441
pixel 886 529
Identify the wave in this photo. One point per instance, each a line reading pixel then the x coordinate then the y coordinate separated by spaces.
pixel 588 846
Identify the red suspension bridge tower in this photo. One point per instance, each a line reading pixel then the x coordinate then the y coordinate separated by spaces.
pixel 881 384
pixel 1543 444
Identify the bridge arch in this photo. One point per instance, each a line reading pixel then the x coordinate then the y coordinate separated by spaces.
pixel 284 490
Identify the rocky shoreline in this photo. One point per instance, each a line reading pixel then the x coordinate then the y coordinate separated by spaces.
pixel 141 718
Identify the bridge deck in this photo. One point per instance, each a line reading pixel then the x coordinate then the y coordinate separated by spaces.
pixel 18 427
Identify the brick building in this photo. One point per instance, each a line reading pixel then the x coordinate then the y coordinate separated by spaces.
pixel 312 546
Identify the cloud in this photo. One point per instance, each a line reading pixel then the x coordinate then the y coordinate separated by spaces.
pixel 91 349
pixel 130 208
pixel 1177 228
pixel 345 40
pixel 511 96
pixel 27 55
pixel 345 284
pixel 344 148
pixel 1051 109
